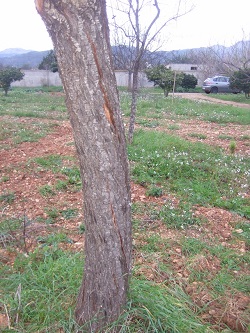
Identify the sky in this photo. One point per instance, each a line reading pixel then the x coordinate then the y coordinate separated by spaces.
pixel 211 22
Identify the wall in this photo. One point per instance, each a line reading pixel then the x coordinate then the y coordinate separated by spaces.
pixel 191 69
pixel 38 78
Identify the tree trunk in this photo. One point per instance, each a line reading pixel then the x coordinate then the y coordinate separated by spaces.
pixel 80 34
pixel 130 75
pixel 133 107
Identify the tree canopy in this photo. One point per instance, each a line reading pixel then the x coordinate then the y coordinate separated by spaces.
pixel 164 77
pixel 241 80
pixel 9 75
pixel 189 81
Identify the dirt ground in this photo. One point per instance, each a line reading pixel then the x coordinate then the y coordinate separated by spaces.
pixel 30 204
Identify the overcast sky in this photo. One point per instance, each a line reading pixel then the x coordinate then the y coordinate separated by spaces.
pixel 210 22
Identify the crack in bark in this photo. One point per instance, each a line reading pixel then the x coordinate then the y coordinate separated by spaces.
pixel 107 109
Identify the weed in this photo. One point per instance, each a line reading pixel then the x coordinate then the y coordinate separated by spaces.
pixel 7 197
pixel 225 137
pixel 4 179
pixel 52 213
pixel 245 137
pixel 69 213
pixel 54 239
pixel 61 185
pixel 173 127
pixel 242 231
pixel 178 217
pixel 51 162
pixel 198 136
pixel 147 123
pixel 74 177
pixel 82 228
pixel 232 147
pixel 154 191
pixel 192 246
pixel 152 244
pixel 13 232
pixel 46 191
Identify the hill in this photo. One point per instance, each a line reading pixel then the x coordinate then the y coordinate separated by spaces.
pixel 21 58
pixel 28 59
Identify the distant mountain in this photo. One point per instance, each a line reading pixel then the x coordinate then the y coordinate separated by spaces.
pixel 11 52
pixel 31 59
pixel 22 58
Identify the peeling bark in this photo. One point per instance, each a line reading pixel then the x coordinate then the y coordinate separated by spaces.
pixel 80 34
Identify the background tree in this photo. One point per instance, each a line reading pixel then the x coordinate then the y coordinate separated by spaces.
pixel 49 62
pixel 241 80
pixel 164 77
pixel 9 75
pixel 219 59
pixel 141 35
pixel 189 81
pixel 80 34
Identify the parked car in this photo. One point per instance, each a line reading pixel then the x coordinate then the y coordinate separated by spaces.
pixel 218 84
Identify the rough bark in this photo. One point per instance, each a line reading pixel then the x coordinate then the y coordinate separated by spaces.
pixel 133 106
pixel 80 34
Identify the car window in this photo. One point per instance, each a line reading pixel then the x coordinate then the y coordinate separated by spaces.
pixel 215 79
pixel 222 79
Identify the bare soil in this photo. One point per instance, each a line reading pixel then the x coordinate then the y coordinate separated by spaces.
pixel 230 311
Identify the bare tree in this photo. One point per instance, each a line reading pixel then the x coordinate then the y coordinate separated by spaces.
pixel 80 34
pixel 219 59
pixel 142 34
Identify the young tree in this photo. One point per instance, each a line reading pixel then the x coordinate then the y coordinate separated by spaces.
pixel 164 77
pixel 80 34
pixel 188 81
pixel 141 35
pixel 9 75
pixel 241 80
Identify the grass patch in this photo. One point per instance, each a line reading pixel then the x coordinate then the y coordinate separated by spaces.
pixel 179 217
pixel 173 127
pixel 35 103
pixel 51 162
pixel 7 198
pixel 198 173
pixel 238 98
pixel 198 136
pixel 47 281
pixel 47 191
pixel 17 132
pixel 155 105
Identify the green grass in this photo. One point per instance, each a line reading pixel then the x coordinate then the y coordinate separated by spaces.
pixel 48 280
pixel 50 162
pixel 198 136
pixel 239 98
pixel 35 103
pixel 40 290
pixel 7 197
pixel 17 132
pixel 155 106
pixel 197 173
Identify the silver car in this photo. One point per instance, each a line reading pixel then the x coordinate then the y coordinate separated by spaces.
pixel 218 84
